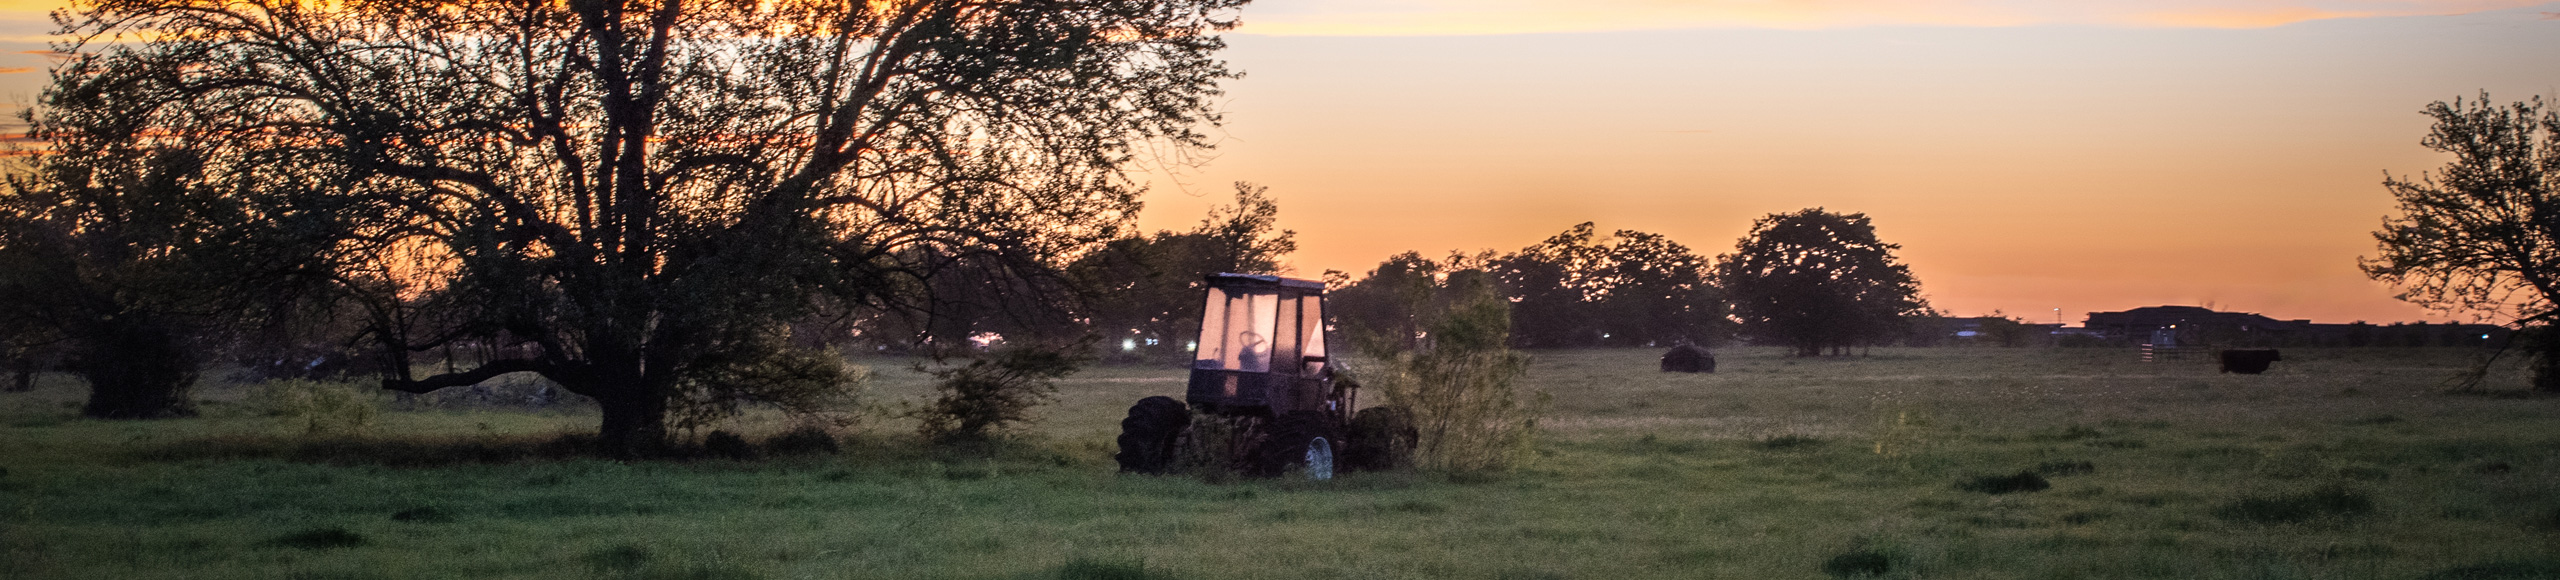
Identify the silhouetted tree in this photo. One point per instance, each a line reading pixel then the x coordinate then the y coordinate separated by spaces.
pixel 1635 288
pixel 128 262
pixel 2482 233
pixel 1654 291
pixel 1389 309
pixel 1148 287
pixel 1814 280
pixel 639 197
pixel 1553 291
pixel 2001 329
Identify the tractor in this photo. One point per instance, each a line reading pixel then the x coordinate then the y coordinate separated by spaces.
pixel 1263 397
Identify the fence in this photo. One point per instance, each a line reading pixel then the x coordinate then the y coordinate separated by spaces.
pixel 2151 353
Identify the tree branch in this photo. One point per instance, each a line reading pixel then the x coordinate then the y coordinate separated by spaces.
pixel 470 377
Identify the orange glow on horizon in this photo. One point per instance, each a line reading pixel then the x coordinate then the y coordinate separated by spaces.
pixel 1472 17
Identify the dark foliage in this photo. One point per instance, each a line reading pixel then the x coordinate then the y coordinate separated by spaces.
pixel 1091 569
pixel 424 515
pixel 1858 564
pixel 2023 481
pixel 1816 280
pixel 2326 502
pixel 804 440
pixel 726 445
pixel 1380 439
pixel 320 539
pixel 1789 442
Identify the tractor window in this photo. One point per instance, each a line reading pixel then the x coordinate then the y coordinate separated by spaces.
pixel 1213 331
pixel 1312 316
pixel 1236 329
pixel 1284 336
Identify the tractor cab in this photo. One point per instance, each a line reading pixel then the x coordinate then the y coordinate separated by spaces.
pixel 1262 349
pixel 1262 397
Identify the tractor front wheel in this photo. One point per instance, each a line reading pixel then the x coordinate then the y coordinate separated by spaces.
pixel 1147 437
pixel 1301 441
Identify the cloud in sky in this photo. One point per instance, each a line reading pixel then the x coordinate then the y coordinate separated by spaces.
pixel 1461 17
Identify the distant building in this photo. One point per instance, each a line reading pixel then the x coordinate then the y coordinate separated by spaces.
pixel 2190 326
pixel 1980 330
pixel 2193 326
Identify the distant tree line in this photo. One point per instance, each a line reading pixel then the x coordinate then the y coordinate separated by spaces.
pixel 1812 280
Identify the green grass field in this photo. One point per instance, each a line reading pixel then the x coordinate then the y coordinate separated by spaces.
pixel 2337 464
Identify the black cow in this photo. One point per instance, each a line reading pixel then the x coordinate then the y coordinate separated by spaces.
pixel 2248 361
pixel 1688 358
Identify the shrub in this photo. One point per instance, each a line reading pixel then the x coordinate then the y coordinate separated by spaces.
pixel 318 408
pixel 2331 501
pixel 726 445
pixel 803 440
pixel 1091 569
pixel 424 515
pixel 1455 375
pixel 1790 441
pixel 996 392
pixel 2023 481
pixel 320 539
pixel 1858 563
pixel 1466 411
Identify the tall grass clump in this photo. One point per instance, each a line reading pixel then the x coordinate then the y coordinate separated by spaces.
pixel 1437 346
pixel 318 408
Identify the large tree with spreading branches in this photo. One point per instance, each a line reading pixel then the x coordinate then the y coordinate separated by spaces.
pixel 633 198
pixel 2481 235
pixel 1815 280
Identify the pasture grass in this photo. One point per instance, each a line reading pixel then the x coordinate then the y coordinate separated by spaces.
pixel 1908 463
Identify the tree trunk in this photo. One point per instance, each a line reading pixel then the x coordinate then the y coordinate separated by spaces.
pixel 635 411
pixel 635 426
pixel 137 368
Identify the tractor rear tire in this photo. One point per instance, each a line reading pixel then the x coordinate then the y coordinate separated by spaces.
pixel 1148 436
pixel 1302 442
pixel 1380 439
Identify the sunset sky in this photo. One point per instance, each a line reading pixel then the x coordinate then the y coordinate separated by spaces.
pixel 2029 155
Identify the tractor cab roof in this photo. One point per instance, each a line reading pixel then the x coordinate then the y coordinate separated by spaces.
pixel 1232 280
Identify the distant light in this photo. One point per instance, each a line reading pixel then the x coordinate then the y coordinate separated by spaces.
pixel 1127 344
pixel 1151 342
pixel 1190 346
